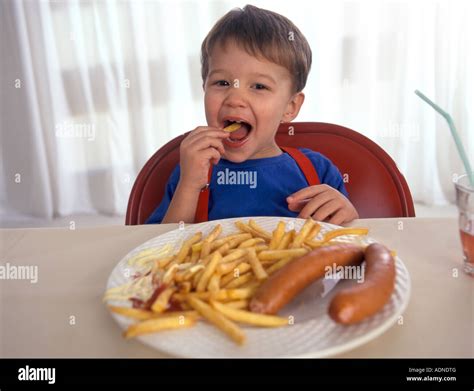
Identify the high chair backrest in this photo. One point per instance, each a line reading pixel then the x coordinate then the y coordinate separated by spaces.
pixel 375 185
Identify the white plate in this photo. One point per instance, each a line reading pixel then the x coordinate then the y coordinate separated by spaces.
pixel 313 333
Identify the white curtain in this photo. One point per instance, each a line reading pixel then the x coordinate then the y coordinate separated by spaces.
pixel 90 89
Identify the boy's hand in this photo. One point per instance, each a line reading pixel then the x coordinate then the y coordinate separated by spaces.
pixel 322 203
pixel 198 150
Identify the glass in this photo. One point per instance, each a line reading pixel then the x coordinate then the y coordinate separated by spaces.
pixel 465 204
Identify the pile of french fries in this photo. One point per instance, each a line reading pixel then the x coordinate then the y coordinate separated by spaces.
pixel 213 277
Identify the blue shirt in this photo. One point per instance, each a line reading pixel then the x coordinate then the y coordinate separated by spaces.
pixel 256 187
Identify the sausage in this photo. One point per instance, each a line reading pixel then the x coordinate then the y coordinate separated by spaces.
pixel 355 303
pixel 291 279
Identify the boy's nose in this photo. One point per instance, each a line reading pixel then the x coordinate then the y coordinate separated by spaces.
pixel 235 98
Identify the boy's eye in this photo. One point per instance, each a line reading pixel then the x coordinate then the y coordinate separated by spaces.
pixel 259 86
pixel 222 83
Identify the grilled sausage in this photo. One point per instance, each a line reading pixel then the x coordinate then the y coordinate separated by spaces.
pixel 290 280
pixel 356 303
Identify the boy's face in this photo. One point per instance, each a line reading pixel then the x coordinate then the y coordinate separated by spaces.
pixel 256 92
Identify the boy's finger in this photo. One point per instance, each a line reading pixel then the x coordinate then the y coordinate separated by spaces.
pixel 206 142
pixel 213 155
pixel 326 210
pixel 316 202
pixel 213 132
pixel 307 192
pixel 314 205
pixel 338 218
pixel 296 206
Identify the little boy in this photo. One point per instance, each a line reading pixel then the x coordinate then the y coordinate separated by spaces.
pixel 254 66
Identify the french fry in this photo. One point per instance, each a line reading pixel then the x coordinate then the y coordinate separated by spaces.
pixel 234 242
pixel 251 242
pixel 220 295
pixel 235 273
pixel 278 265
pixel 344 231
pixel 261 247
pixel 208 271
pixel 214 233
pixel 236 254
pixel 277 235
pixel 139 314
pixel 163 262
pixel 187 274
pixel 134 313
pixel 161 302
pixel 315 244
pixel 206 245
pixel 184 250
pixel 278 254
pixel 194 256
pixel 224 268
pixel 239 304
pixel 257 267
pixel 285 241
pixel 264 234
pixel 159 324
pixel 248 317
pixel 314 231
pixel 237 294
pixel 213 285
pixel 169 274
pixel 245 228
pixel 304 231
pixel 232 127
pixel 236 283
pixel 184 287
pixel 197 277
pixel 219 320
pixel 224 248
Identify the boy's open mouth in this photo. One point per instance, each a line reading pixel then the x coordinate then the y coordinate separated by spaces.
pixel 238 137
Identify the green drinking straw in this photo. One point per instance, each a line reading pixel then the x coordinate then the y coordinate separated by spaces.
pixel 455 134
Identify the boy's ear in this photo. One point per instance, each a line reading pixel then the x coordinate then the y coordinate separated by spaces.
pixel 293 107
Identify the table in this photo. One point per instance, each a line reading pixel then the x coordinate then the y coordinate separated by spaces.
pixel 62 314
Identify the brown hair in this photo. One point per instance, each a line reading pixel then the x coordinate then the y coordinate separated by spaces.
pixel 261 33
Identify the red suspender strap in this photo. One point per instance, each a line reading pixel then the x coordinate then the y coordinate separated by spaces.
pixel 301 160
pixel 203 201
pixel 304 164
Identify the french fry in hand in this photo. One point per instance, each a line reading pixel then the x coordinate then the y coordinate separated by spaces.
pixel 232 127
pixel 219 320
pixel 248 317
